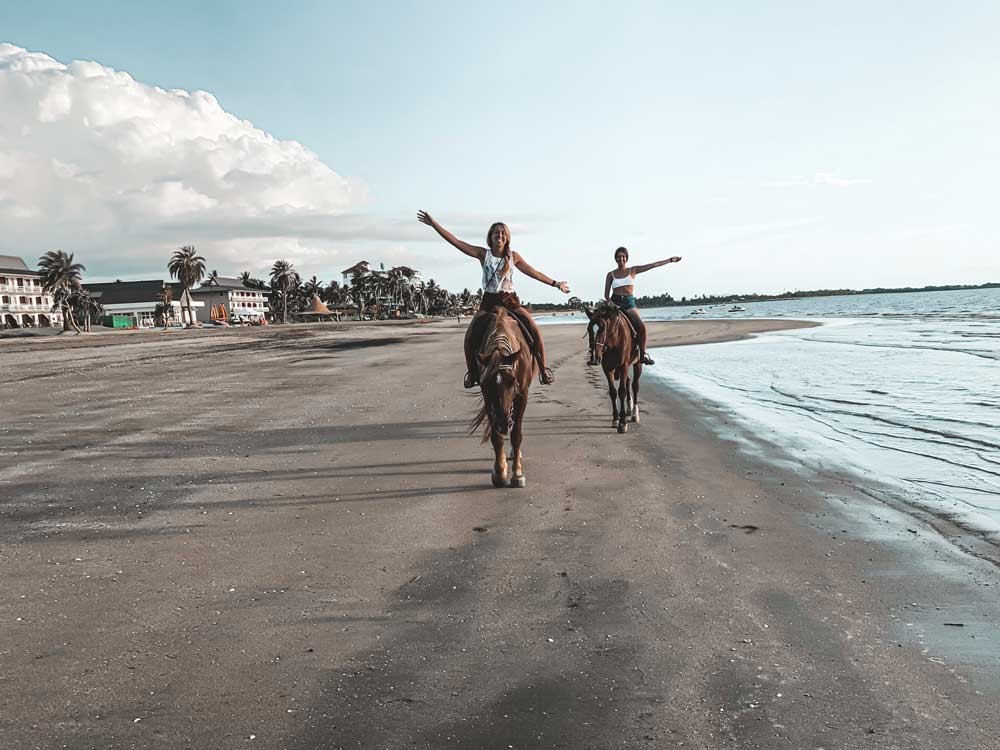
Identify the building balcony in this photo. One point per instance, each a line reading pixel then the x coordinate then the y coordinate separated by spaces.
pixel 16 307
pixel 15 289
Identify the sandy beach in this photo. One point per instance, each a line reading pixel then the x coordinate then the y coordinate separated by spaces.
pixel 286 538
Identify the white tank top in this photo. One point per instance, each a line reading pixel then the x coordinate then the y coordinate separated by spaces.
pixel 627 281
pixel 498 274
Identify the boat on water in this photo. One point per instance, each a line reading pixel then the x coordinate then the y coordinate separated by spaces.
pixel 737 308
pixel 699 311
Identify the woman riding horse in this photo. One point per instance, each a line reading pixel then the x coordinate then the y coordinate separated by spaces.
pixel 498 263
pixel 619 289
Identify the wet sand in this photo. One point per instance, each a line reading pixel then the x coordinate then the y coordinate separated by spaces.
pixel 287 534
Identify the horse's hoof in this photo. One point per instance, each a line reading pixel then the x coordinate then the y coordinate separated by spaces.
pixel 622 427
pixel 499 480
pixel 518 481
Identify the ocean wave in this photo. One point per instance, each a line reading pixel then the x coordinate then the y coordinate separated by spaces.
pixel 892 401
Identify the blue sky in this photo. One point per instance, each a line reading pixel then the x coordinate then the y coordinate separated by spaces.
pixel 772 145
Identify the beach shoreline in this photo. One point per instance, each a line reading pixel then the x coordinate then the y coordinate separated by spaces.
pixel 288 533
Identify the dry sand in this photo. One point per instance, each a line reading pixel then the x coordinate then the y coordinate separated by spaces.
pixel 285 538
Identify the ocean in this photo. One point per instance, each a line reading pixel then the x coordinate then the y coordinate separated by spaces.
pixel 900 390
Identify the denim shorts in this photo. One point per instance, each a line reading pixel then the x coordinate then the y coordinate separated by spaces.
pixel 623 301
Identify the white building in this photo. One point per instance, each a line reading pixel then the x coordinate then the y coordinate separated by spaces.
pixel 348 273
pixel 23 304
pixel 230 299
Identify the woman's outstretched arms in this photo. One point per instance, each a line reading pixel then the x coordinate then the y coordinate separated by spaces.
pixel 471 250
pixel 523 266
pixel 657 264
pixel 607 288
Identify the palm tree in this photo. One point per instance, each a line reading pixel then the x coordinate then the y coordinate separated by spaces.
pixel 312 288
pixel 165 305
pixel 382 286
pixel 361 284
pixel 283 278
pixel 60 278
pixel 189 268
pixel 62 300
pixel 252 283
pixel 85 306
pixel 332 294
pixel 212 280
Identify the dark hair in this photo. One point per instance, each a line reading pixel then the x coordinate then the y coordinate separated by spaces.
pixel 621 250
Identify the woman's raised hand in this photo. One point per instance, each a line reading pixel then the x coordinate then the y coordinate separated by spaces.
pixel 425 218
pixel 675 259
pixel 563 287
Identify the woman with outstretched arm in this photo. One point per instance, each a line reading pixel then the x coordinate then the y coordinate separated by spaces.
pixel 498 262
pixel 619 290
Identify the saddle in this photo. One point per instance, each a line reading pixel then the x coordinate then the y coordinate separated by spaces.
pixel 631 324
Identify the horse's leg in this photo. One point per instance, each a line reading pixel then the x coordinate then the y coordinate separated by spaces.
pixel 636 374
pixel 516 470
pixel 500 460
pixel 592 339
pixel 622 397
pixel 609 374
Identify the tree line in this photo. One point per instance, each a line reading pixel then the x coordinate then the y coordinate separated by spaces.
pixel 666 300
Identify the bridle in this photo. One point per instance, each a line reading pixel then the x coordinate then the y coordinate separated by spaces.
pixel 599 341
pixel 600 338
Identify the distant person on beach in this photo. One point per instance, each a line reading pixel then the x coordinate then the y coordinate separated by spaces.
pixel 619 290
pixel 498 263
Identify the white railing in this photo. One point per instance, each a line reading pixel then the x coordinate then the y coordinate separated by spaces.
pixel 14 289
pixel 17 307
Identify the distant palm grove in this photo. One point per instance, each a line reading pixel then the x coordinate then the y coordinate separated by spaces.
pixel 396 292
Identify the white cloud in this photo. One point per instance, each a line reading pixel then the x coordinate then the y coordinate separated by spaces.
pixel 120 172
pixel 818 179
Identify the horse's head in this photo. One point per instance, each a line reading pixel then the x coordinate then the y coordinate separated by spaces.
pixel 602 319
pixel 505 370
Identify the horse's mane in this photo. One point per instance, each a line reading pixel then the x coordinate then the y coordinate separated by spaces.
pixel 503 338
pixel 607 315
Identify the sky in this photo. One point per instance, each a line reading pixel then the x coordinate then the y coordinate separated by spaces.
pixel 772 145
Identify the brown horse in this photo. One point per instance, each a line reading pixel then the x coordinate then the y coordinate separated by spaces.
pixel 616 346
pixel 506 368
